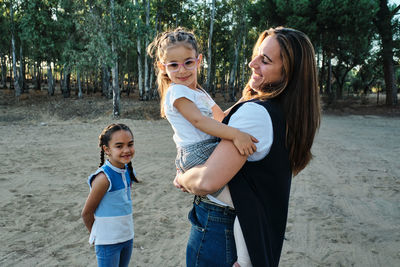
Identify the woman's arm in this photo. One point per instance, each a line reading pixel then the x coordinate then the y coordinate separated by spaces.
pixel 218 170
pixel 100 186
pixel 243 141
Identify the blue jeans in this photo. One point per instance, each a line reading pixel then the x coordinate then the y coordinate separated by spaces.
pixel 211 241
pixel 115 254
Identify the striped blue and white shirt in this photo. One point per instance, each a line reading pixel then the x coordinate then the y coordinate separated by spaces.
pixel 113 217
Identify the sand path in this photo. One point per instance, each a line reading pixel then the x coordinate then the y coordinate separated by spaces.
pixel 344 209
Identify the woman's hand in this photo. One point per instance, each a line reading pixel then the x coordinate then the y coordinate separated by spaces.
pixel 176 184
pixel 216 172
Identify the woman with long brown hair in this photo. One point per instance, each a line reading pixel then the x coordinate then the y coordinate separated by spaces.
pixel 281 109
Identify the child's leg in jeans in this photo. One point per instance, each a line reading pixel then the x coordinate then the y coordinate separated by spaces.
pixel 241 248
pixel 243 258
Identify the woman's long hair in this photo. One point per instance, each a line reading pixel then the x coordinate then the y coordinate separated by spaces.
pixel 297 91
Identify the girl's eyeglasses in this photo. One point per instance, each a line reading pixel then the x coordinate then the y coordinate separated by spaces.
pixel 189 64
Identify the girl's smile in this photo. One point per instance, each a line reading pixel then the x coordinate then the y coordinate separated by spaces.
pixel 120 149
pixel 183 78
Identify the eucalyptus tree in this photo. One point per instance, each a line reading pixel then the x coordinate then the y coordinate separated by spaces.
pixel 76 49
pixel 223 48
pixel 17 86
pixel 39 32
pixel 95 53
pixel 238 29
pixel 146 58
pixel 209 50
pixel 68 41
pixel 127 14
pixel 141 52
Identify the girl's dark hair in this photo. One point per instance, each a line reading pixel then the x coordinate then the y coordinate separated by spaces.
pixel 104 139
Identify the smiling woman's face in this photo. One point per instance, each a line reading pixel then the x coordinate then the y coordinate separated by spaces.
pixel 267 65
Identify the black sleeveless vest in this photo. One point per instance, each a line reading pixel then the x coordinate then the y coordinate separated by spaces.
pixel 260 192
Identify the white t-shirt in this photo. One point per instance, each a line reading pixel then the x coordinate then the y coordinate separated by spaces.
pixel 184 132
pixel 253 119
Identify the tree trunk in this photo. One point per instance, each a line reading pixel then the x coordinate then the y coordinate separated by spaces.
pixel 66 88
pixel 3 72
pixel 341 81
pixel 238 42
pixel 105 78
pixel 384 25
pixel 86 82
pixel 233 72
pixel 78 79
pixel 11 69
pixel 244 64
pixel 328 81
pixel 223 83
pixel 146 61
pixel 17 87
pixel 322 74
pixel 22 73
pixel 14 61
pixel 38 75
pixel 50 81
pixel 209 51
pixel 139 56
pixel 114 70
pixel 153 88
pixel 140 74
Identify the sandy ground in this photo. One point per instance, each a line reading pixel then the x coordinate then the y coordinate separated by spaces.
pixel 344 208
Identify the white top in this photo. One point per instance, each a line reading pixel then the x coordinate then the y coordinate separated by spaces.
pixel 184 132
pixel 253 119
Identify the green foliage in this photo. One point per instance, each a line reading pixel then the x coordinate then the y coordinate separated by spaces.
pixel 39 28
pixel 4 28
pixel 78 33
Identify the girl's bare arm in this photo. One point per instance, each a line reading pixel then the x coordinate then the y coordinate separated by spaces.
pixel 243 141
pixel 100 186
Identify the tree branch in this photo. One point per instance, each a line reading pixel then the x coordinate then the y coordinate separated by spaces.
pixel 394 11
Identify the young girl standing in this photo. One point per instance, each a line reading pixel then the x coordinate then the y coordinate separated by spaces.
pixel 192 113
pixel 107 213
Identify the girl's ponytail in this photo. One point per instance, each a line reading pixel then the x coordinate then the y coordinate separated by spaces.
pixel 101 157
pixel 132 174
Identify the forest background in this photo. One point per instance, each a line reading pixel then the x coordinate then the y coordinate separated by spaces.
pixel 69 67
pixel 99 47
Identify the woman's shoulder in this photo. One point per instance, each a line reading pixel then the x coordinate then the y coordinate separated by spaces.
pixel 251 110
pixel 254 119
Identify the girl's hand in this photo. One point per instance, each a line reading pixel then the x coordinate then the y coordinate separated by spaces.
pixel 244 143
